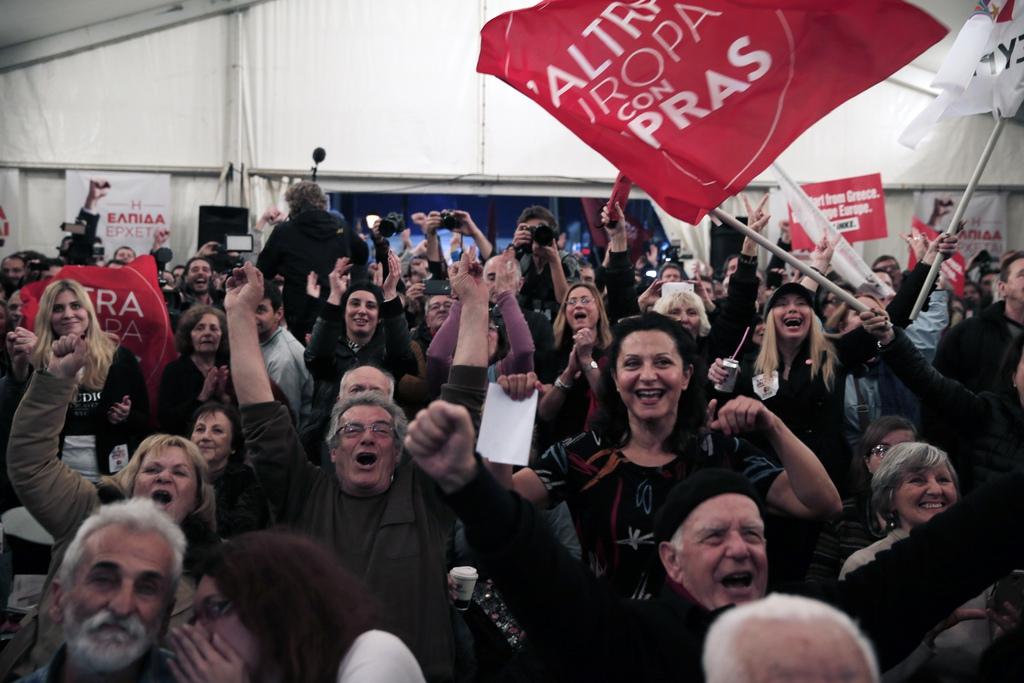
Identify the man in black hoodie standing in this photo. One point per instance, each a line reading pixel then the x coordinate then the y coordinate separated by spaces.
pixel 311 240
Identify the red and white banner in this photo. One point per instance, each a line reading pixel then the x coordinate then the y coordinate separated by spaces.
pixel 854 206
pixel 137 205
pixel 985 220
pixel 954 269
pixel 692 102
pixel 9 211
pixel 128 303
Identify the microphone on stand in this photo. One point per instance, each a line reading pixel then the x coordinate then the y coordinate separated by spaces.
pixel 318 156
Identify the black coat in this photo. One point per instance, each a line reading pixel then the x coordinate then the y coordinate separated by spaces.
pixel 972 351
pixel 308 241
pixel 990 424
pixel 585 633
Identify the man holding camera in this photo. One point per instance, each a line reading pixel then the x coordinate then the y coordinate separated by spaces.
pixel 311 240
pixel 546 271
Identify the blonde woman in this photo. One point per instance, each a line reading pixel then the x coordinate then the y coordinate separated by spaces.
pixel 109 413
pixel 168 469
pixel 687 309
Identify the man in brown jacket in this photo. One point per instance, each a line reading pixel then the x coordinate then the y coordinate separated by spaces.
pixel 383 516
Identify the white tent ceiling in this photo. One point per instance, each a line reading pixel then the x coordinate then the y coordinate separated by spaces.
pixel 387 87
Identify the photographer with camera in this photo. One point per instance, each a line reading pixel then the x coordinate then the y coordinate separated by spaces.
pixel 546 271
pixel 312 239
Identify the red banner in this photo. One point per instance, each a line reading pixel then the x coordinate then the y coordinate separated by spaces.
pixel 953 269
pixel 855 206
pixel 128 303
pixel 693 102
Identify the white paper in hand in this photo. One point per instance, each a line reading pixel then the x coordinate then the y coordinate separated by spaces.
pixel 506 427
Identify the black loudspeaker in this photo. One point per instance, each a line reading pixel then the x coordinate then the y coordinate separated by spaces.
pixel 217 221
pixel 724 243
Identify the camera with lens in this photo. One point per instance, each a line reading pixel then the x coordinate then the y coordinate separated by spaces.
pixel 391 224
pixel 450 220
pixel 544 235
pixel 224 261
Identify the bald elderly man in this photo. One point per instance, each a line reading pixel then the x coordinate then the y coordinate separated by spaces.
pixel 711 543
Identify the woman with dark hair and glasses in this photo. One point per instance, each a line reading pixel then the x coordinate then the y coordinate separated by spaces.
pixel 273 606
pixel 650 436
pixel 858 527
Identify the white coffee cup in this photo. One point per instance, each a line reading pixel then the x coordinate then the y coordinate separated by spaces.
pixel 464 579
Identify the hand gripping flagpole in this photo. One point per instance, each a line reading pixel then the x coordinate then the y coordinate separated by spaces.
pixel 760 239
pixel 958 214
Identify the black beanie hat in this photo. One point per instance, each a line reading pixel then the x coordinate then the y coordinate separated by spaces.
pixel 789 288
pixel 694 490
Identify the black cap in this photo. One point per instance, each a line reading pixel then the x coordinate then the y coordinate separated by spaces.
pixel 790 288
pixel 694 490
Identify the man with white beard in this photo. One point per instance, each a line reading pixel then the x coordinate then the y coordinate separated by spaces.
pixel 113 594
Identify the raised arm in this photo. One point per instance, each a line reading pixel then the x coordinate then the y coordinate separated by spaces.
pixel 271 441
pixel 618 271
pixel 520 354
pixel 804 488
pixel 398 356
pixel 946 396
pixel 55 495
pixel 442 348
pixel 319 355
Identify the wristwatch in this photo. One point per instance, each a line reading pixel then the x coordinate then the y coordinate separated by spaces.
pixel 562 385
pixel 594 365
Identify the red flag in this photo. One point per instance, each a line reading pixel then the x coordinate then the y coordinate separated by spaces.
pixel 693 102
pixel 954 268
pixel 128 303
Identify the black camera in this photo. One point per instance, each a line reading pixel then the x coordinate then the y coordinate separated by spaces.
pixel 450 220
pixel 224 261
pixel 544 235
pixel 391 225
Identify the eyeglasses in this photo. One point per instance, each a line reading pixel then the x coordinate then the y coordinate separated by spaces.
pixel 582 301
pixel 352 429
pixel 880 449
pixel 212 609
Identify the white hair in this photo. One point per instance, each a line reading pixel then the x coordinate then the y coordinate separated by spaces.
pixel 140 515
pixel 722 661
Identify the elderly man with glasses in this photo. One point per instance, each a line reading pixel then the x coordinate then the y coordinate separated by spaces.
pixel 383 517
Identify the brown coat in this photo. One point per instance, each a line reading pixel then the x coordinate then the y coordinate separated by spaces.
pixel 395 542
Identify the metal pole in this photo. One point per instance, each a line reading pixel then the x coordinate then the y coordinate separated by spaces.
pixel 791 260
pixel 958 214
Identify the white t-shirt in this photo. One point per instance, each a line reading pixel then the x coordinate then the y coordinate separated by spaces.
pixel 379 657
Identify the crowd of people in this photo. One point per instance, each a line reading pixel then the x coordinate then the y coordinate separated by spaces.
pixel 293 505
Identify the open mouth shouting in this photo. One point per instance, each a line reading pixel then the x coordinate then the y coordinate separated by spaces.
pixel 739 586
pixel 366 459
pixel 162 497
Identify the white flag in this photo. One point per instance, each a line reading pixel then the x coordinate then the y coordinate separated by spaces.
pixel 845 261
pixel 983 72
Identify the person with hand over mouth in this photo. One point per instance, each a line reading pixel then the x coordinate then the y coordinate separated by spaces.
pixel 167 469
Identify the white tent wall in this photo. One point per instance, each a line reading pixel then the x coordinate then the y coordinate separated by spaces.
pixel 389 89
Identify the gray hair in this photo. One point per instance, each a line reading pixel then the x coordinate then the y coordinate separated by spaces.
pixel 665 304
pixel 140 515
pixel 374 399
pixel 722 661
pixel 899 462
pixel 388 377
